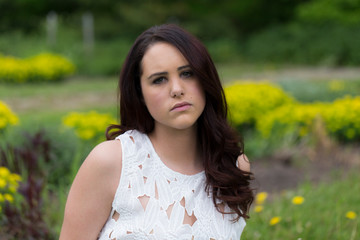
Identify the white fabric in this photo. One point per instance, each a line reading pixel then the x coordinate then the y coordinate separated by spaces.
pixel 145 177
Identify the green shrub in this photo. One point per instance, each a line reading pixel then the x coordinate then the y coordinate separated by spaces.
pixel 326 44
pixel 26 220
pixel 44 67
pixel 336 11
pixel 308 91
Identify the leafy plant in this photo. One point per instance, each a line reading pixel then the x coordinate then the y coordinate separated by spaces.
pixel 26 221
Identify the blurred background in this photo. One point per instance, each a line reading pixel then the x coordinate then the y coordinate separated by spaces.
pixel 291 75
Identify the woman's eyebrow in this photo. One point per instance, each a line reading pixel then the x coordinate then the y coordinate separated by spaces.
pixel 182 67
pixel 157 74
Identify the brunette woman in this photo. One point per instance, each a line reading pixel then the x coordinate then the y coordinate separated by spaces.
pixel 175 169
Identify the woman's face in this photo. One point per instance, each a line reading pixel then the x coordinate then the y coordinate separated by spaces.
pixel 171 91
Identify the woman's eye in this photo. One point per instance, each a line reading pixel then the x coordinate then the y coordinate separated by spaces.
pixel 159 80
pixel 187 74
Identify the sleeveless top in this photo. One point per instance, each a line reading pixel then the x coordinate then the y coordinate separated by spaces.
pixel 153 201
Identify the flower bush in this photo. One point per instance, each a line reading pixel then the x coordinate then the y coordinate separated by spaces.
pixel 269 110
pixel 90 125
pixel 292 118
pixel 9 184
pixel 45 67
pixel 341 119
pixel 248 101
pixel 7 117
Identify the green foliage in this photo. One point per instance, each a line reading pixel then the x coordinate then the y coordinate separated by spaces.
pixel 319 90
pixel 43 67
pixel 26 220
pixel 317 217
pixel 335 11
pixel 331 45
pixel 224 50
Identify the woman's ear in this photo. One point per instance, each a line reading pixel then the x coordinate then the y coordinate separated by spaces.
pixel 243 163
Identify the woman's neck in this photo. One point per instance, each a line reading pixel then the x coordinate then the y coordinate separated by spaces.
pixel 178 149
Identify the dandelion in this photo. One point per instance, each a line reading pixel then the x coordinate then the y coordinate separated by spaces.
pixel 274 220
pixel 261 197
pixel 351 215
pixel 258 209
pixel 298 200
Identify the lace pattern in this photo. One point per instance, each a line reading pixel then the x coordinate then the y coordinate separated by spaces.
pixel 154 202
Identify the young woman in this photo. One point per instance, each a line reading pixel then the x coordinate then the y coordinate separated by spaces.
pixel 176 170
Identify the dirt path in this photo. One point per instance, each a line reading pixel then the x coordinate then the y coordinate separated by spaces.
pixel 288 169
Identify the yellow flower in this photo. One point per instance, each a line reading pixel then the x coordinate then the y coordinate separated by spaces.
pixel 297 200
pixel 7 117
pixel 274 220
pixel 8 197
pixel 351 215
pixel 1 198
pixel 258 208
pixel 2 183
pixel 261 197
pixel 15 177
pixel 90 125
pixel 4 172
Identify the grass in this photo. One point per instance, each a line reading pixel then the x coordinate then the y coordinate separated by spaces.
pixel 71 86
pixel 48 103
pixel 320 90
pixel 321 216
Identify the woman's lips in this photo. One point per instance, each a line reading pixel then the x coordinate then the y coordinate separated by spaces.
pixel 181 106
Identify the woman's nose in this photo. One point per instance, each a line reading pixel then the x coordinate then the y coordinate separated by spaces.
pixel 177 88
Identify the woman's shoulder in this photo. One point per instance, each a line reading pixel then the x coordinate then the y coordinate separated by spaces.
pixel 103 165
pixel 106 154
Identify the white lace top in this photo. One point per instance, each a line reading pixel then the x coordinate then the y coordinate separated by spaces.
pixel 154 202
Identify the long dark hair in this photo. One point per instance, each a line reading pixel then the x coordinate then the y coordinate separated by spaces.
pixel 219 142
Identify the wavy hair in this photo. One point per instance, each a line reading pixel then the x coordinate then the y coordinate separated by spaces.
pixel 220 145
